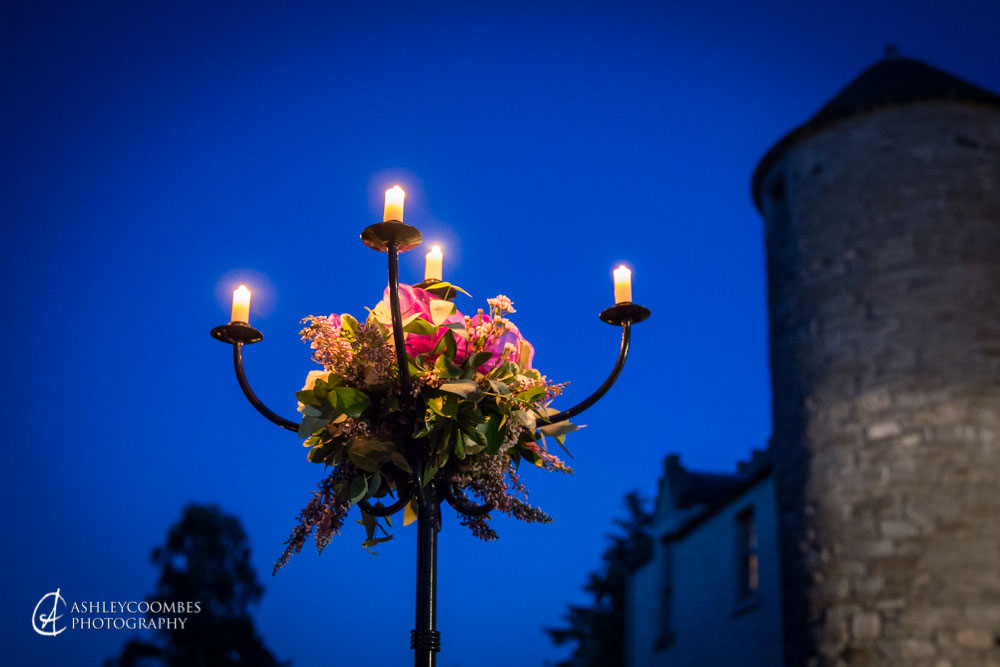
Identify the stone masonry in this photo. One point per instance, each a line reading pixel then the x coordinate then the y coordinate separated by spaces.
pixel 882 227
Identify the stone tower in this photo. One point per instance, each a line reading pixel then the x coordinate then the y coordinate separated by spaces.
pixel 882 224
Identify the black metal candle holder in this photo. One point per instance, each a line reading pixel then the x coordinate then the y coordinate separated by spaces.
pixel 392 238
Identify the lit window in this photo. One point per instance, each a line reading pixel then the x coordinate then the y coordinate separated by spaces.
pixel 748 577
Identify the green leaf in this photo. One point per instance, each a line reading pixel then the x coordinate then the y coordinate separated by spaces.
pixel 359 488
pixel 376 482
pixel 376 450
pixel 332 380
pixel 348 322
pixel 494 438
pixel 363 462
pixel 308 397
pixel 477 434
pixel 445 368
pixel 441 310
pixel 499 387
pixel 445 406
pixel 310 410
pixel 479 358
pixel 559 428
pixel 321 391
pixel 416 325
pixel 444 442
pixel 400 462
pixel 458 329
pixel 561 440
pixel 320 452
pixel 382 313
pixel 436 405
pixel 460 445
pixel 450 345
pixel 441 459
pixel 463 388
pixel 368 544
pixel 529 395
pixel 527 419
pixel 351 401
pixel 369 522
pixel 338 457
pixel 310 425
pixel 445 284
pixel 436 350
pixel 429 471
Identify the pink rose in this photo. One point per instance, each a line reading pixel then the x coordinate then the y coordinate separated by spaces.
pixel 417 301
pixel 523 351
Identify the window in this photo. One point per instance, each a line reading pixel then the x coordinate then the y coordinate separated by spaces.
pixel 747 565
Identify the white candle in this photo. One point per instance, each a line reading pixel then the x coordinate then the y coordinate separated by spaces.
pixel 241 304
pixel 432 268
pixel 394 197
pixel 623 284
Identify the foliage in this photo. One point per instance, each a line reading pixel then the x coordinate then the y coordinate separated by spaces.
pixel 599 630
pixel 476 408
pixel 206 559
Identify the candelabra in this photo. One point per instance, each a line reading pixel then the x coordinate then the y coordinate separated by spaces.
pixel 393 237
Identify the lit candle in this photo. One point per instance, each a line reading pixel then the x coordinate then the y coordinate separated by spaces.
pixel 394 204
pixel 623 284
pixel 241 304
pixel 432 268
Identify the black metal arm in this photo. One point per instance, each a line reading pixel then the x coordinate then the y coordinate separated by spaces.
pixel 603 389
pixel 241 377
pixel 462 503
pixel 239 334
pixel 405 494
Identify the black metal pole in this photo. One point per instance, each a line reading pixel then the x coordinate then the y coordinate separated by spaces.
pixel 397 318
pixel 425 640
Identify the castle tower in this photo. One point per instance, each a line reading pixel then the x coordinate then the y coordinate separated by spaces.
pixel 882 224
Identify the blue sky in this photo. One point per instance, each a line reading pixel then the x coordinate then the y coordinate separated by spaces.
pixel 157 154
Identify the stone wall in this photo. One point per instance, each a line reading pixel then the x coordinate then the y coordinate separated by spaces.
pixel 883 242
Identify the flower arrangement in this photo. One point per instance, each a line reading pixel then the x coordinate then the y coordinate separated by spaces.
pixel 472 414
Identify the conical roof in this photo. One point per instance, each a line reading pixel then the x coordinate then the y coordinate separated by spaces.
pixel 892 81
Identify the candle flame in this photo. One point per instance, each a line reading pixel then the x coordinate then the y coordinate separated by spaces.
pixel 394 198
pixel 241 304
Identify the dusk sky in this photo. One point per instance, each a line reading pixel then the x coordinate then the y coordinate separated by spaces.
pixel 157 154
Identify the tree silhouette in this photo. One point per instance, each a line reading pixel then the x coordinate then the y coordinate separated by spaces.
pixel 206 559
pixel 599 630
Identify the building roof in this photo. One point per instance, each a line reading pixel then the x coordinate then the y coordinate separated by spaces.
pixel 707 493
pixel 701 495
pixel 893 80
